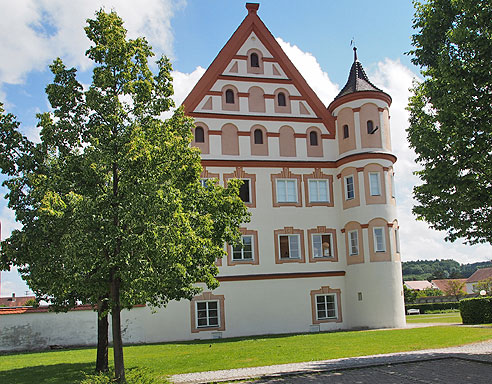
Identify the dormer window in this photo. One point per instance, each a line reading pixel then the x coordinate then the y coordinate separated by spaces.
pixel 254 60
pixel 258 135
pixel 229 96
pixel 282 101
pixel 313 138
pixel 199 135
pixel 345 131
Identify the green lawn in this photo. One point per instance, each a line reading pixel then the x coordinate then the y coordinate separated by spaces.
pixel 450 317
pixel 167 359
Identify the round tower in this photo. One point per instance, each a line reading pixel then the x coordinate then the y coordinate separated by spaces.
pixel 367 215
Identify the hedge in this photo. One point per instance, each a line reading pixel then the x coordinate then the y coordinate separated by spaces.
pixel 433 306
pixel 477 310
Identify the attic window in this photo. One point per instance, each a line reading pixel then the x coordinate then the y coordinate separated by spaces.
pixel 229 95
pixel 255 62
pixel 199 135
pixel 282 101
pixel 345 131
pixel 313 138
pixel 258 136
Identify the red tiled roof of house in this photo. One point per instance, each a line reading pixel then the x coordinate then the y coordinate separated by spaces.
pixel 442 284
pixel 418 285
pixel 15 301
pixel 479 275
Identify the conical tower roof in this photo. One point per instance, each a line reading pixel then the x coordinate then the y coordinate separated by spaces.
pixel 357 80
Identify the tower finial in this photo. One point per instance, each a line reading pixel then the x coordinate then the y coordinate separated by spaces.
pixel 355 54
pixel 252 7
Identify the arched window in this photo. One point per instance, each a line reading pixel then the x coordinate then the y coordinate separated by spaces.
pixel 345 131
pixel 229 96
pixel 258 136
pixel 313 138
pixel 255 62
pixel 282 101
pixel 370 127
pixel 199 135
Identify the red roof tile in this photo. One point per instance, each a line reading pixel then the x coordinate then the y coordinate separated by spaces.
pixel 479 275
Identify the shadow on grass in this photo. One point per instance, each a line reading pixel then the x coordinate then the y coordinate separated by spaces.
pixel 47 374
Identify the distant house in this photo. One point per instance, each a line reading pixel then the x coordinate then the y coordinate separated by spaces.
pixel 419 285
pixel 479 275
pixel 14 301
pixel 442 284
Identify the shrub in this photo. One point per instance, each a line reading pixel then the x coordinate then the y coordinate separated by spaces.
pixel 425 307
pixel 31 303
pixel 477 310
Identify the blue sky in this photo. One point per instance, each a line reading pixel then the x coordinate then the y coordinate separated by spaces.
pixel 315 34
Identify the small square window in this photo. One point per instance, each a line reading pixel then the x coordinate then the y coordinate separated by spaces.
pixel 318 191
pixel 286 191
pixel 289 247
pixel 245 250
pixel 322 245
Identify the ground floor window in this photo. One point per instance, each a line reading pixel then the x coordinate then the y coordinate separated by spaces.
pixel 207 314
pixel 326 307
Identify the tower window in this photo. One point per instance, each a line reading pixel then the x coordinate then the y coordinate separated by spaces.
pixel 258 134
pixel 313 138
pixel 229 96
pixel 370 127
pixel 199 135
pixel 345 131
pixel 282 101
pixel 255 62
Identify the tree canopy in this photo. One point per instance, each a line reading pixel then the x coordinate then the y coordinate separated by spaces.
pixel 110 201
pixel 451 118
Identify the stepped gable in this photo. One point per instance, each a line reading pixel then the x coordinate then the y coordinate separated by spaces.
pixel 253 26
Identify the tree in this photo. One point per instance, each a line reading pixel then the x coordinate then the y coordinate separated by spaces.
pixel 429 292
pixel 409 295
pixel 110 201
pixel 455 288
pixel 483 285
pixel 450 117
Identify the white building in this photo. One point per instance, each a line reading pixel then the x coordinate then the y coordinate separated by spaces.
pixel 321 251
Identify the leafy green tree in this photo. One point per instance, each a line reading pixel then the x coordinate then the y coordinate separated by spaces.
pixel 429 292
pixel 451 119
pixel 110 202
pixel 483 285
pixel 409 295
pixel 455 288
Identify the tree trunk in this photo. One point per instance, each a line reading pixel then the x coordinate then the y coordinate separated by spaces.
pixel 119 365
pixel 102 337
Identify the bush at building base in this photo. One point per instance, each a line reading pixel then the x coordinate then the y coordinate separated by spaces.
pixel 477 310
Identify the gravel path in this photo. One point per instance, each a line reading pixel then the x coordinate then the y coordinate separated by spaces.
pixel 478 352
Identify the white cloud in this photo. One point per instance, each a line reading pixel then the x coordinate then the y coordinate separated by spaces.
pixel 183 83
pixel 310 69
pixel 37 31
pixel 11 282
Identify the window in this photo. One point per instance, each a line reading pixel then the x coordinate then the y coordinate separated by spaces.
pixel 349 188
pixel 282 101
pixel 244 193
pixel 229 96
pixel 199 135
pixel 374 184
pixel 379 240
pixel 203 182
pixel 370 127
pixel 286 191
pixel 207 314
pixel 345 131
pixel 258 136
pixel 397 240
pixel 322 245
pixel 326 307
pixel 289 247
pixel 393 194
pixel 318 191
pixel 313 138
pixel 245 250
pixel 353 243
pixel 255 62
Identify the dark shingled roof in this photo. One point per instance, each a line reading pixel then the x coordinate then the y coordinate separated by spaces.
pixel 357 80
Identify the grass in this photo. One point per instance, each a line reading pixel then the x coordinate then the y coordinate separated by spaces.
pixel 449 317
pixel 161 360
